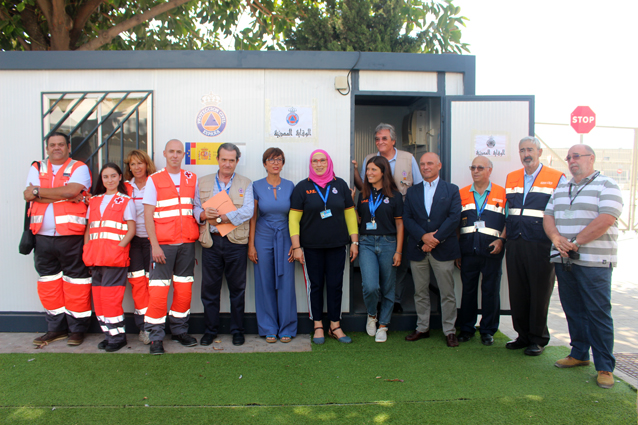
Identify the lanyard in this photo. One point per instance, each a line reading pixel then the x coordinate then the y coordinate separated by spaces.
pixel 219 188
pixel 374 204
pixel 323 198
pixel 480 211
pixel 571 201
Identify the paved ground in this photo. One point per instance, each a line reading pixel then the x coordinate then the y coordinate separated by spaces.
pixel 625 313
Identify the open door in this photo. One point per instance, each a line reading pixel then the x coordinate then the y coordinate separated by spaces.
pixel 485 125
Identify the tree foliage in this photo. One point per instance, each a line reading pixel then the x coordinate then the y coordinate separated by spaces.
pixel 367 25
pixel 408 26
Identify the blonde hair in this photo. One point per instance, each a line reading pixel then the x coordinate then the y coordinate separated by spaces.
pixel 140 156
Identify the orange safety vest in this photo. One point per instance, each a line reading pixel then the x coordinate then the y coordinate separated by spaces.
pixel 173 216
pixel 475 240
pixel 526 220
pixel 70 217
pixel 106 232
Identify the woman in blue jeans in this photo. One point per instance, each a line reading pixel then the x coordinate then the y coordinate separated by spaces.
pixel 380 208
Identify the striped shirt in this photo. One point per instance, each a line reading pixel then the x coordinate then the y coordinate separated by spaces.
pixel 594 195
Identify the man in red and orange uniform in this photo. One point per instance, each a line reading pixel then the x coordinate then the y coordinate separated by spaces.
pixel 58 221
pixel 482 233
pixel 530 274
pixel 172 229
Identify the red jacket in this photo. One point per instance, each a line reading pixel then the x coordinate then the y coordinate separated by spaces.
pixel 70 217
pixel 106 232
pixel 173 216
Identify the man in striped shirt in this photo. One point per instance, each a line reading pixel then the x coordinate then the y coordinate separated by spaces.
pixel 581 221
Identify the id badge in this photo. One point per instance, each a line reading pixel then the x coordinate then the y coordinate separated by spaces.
pixel 326 214
pixel 479 224
pixel 371 226
pixel 569 214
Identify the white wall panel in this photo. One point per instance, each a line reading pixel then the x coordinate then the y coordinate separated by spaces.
pixel 454 83
pixel 401 81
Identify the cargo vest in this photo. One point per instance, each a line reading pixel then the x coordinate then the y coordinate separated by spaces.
pixel 476 240
pixel 106 231
pixel 173 216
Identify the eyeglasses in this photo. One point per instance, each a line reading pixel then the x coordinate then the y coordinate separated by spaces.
pixel 319 161
pixel 479 168
pixel 576 156
pixel 275 160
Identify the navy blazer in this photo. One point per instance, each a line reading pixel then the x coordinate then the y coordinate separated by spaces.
pixel 445 216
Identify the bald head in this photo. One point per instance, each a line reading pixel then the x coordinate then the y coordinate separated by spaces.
pixel 174 154
pixel 430 165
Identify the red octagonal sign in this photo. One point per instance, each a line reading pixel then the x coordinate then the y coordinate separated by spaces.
pixel 583 119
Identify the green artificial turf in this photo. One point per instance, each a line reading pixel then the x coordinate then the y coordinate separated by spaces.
pixel 363 382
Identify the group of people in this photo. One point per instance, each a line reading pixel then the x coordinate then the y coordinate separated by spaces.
pixel 142 226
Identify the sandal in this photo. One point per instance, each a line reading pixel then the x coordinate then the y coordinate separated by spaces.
pixel 343 339
pixel 318 340
pixel 285 338
pixel 270 339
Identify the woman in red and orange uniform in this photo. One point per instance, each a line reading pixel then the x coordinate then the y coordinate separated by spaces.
pixel 111 226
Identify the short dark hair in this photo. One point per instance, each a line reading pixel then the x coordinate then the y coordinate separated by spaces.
pixel 99 185
pixel 229 147
pixel 57 133
pixel 273 153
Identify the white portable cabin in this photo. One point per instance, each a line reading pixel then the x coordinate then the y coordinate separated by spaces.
pixel 112 102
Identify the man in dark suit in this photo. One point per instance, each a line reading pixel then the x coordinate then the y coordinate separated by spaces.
pixel 431 214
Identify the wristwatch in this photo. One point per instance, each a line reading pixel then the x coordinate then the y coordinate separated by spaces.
pixel 219 220
pixel 355 243
pixel 36 192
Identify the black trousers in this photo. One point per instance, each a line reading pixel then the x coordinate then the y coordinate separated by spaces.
pixel 325 265
pixel 228 259
pixel 531 281
pixel 472 266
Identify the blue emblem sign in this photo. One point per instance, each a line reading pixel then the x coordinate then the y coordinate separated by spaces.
pixel 211 121
pixel 292 118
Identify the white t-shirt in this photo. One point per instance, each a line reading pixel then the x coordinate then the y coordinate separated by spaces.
pixel 137 198
pixel 150 193
pixel 81 175
pixel 129 212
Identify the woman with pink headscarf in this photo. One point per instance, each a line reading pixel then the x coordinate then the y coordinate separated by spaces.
pixel 322 223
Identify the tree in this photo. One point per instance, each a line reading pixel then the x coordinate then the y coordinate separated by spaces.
pixel 408 26
pixel 143 24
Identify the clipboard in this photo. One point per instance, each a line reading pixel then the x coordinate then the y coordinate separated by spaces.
pixel 223 204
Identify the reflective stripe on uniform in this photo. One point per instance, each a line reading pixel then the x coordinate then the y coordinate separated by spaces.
pixel 57 311
pixel 78 280
pixel 178 314
pixel 514 190
pixel 167 203
pixel 36 219
pixel 115 319
pixel 79 314
pixel 106 235
pixel 468 207
pixel 484 230
pixel 104 328
pixel 159 282
pixel 50 278
pixel 109 223
pixel 183 279
pixel 545 190
pixel 141 311
pixel 133 275
pixel 69 168
pixel 494 208
pixel 526 212
pixel 116 331
pixel 153 321
pixel 172 213
pixel 64 219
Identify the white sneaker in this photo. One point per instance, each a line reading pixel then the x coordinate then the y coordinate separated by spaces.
pixel 371 325
pixel 382 335
pixel 145 337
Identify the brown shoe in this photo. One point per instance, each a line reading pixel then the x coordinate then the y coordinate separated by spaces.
pixel 416 335
pixel 569 361
pixel 76 338
pixel 605 379
pixel 49 337
pixel 451 340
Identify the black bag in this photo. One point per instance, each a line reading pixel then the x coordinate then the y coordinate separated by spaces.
pixel 27 242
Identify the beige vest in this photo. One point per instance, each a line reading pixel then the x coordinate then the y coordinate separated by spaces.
pixel 402 170
pixel 237 192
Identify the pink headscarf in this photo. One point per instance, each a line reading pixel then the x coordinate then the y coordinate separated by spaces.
pixel 325 178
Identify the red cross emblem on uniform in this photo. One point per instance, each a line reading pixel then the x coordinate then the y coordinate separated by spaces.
pixel 188 174
pixel 118 200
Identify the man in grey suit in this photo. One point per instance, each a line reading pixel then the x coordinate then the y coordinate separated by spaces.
pixel 431 214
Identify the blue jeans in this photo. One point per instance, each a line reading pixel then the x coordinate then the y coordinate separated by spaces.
pixel 377 273
pixel 585 293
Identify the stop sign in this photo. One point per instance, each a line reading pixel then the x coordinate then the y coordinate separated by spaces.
pixel 583 119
